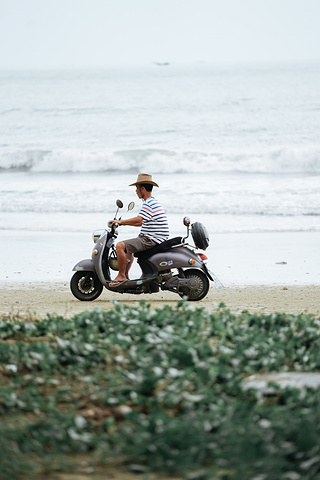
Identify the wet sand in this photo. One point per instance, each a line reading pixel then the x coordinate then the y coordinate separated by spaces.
pixel 261 272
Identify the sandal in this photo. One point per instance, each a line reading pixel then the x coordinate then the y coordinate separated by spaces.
pixel 116 283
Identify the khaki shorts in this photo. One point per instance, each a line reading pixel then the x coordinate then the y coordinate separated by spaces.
pixel 139 244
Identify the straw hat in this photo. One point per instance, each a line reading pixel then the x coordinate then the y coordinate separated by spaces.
pixel 144 178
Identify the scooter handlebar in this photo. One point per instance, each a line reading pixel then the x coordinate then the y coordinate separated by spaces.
pixel 113 224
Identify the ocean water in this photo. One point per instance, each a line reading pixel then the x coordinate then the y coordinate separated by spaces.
pixel 236 147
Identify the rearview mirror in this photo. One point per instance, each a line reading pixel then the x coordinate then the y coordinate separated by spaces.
pixel 186 221
pixel 119 204
pixel 131 206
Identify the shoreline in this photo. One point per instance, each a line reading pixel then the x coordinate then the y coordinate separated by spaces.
pixel 237 259
pixel 44 298
pixel 261 272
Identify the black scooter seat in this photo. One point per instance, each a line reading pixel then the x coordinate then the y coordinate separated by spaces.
pixel 161 247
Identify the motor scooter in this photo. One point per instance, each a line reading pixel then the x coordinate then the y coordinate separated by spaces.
pixel 173 265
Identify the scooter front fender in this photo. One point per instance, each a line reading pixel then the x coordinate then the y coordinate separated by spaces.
pixel 84 266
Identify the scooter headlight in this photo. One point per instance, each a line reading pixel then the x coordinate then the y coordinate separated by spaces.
pixel 96 235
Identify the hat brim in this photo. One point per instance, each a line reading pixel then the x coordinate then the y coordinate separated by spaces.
pixel 144 183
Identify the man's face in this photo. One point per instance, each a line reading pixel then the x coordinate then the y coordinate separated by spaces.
pixel 138 191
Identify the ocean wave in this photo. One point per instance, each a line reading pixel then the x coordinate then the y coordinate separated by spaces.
pixel 276 160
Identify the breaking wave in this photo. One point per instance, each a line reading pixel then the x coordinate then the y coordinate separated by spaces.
pixel 276 160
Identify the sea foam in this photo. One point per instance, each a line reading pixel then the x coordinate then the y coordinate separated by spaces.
pixel 272 160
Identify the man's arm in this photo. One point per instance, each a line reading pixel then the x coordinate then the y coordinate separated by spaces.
pixel 133 222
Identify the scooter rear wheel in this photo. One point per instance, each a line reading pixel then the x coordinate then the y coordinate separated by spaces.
pixel 86 286
pixel 199 285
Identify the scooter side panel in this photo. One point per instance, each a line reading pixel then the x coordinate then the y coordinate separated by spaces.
pixel 179 257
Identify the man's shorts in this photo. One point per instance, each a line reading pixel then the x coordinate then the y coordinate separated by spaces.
pixel 139 244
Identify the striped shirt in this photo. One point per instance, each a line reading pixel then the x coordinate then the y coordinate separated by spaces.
pixel 155 222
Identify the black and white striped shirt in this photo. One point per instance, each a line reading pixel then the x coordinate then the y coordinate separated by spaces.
pixel 155 222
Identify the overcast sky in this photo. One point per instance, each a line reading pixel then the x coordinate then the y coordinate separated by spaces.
pixel 99 33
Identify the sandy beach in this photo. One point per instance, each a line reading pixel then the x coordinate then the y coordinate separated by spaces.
pixel 262 272
pixel 56 298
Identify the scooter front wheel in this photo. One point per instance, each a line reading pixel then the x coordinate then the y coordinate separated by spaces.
pixel 86 286
pixel 199 285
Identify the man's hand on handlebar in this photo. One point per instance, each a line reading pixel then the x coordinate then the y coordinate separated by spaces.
pixel 113 223
pixel 133 222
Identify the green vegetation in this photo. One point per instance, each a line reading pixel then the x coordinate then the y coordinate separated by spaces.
pixel 158 391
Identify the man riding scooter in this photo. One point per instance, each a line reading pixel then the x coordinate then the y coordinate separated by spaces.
pixel 169 265
pixel 154 228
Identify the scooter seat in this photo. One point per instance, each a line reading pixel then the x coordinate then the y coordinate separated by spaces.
pixel 161 247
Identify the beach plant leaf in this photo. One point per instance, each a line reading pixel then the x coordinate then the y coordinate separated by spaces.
pixel 170 378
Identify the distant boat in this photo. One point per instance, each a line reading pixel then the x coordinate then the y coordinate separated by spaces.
pixel 162 64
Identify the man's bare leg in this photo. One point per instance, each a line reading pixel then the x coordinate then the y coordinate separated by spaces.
pixel 129 263
pixel 122 262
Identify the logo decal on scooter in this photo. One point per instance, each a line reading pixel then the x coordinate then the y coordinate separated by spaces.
pixel 163 264
pixel 170 262
pixel 139 282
